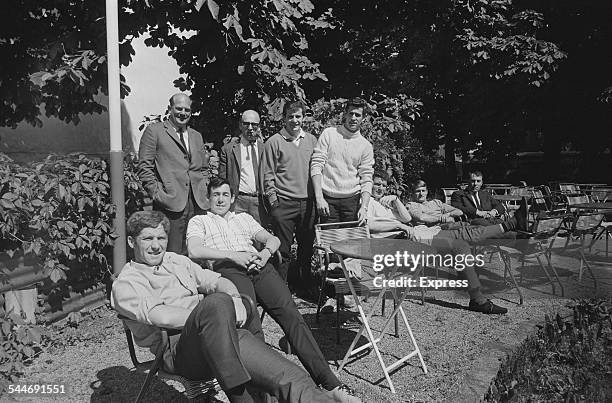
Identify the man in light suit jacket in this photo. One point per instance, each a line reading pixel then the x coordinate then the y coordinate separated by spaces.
pixel 239 163
pixel 477 204
pixel 173 168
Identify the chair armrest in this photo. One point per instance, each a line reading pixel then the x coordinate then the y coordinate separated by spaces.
pixel 251 307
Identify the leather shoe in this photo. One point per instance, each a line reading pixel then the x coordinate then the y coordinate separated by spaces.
pixel 521 216
pixel 487 307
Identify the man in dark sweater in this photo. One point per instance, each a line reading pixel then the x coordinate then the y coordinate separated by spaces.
pixel 285 169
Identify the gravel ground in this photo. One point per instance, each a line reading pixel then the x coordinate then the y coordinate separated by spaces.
pixel 94 363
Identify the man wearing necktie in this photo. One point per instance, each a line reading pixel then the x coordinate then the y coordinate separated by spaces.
pixel 239 164
pixel 173 167
pixel 478 204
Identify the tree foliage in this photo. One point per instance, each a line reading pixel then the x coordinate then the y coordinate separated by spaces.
pixel 233 53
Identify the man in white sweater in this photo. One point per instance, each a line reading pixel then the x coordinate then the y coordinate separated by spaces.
pixel 342 167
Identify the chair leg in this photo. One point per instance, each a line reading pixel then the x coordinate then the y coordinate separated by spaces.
pixel 508 269
pixel 382 309
pixel 588 266
pixel 550 280
pixel 154 368
pixel 321 292
pixel 338 318
pixel 395 318
pixel 554 271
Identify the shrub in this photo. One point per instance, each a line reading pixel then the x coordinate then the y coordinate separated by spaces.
pixel 60 210
pixel 568 361
pixel 19 345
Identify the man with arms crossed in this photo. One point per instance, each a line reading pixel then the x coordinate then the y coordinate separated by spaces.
pixel 388 213
pixel 285 168
pixel 227 238
pixel 173 168
pixel 164 289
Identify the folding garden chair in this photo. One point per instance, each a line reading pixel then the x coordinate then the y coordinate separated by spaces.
pixel 542 234
pixel 193 388
pixel 448 192
pixel 368 249
pixel 584 223
pixel 325 235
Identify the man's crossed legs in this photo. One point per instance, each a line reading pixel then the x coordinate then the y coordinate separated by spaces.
pixel 211 346
pixel 274 296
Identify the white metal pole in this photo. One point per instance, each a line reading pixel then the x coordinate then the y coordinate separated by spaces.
pixel 114 114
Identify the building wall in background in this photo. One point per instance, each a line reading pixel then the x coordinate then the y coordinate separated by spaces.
pixel 150 77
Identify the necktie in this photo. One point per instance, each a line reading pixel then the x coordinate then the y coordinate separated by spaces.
pixel 182 138
pixel 255 165
pixel 476 200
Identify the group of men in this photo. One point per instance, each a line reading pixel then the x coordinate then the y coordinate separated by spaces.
pixel 288 182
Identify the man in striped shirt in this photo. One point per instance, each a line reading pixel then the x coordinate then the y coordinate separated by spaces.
pixel 227 239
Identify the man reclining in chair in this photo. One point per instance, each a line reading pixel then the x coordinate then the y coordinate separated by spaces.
pixel 227 239
pixel 388 213
pixel 164 289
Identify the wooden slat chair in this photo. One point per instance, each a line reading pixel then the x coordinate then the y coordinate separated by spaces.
pixel 325 235
pixel 193 389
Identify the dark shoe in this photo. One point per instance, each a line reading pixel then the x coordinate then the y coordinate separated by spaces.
pixel 521 216
pixel 487 308
pixel 329 306
pixel 284 345
pixel 308 294
pixel 344 394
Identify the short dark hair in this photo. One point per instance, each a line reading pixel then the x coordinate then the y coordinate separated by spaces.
pixel 356 103
pixel 419 183
pixel 290 106
pixel 477 173
pixel 381 174
pixel 217 182
pixel 146 219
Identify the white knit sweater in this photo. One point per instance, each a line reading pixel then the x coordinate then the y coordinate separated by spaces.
pixel 346 162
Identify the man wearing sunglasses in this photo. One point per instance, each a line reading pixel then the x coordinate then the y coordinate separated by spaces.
pixel 239 164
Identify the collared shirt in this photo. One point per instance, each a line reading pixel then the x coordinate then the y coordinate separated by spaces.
pixel 178 281
pixel 290 138
pixel 247 174
pixel 233 232
pixel 185 135
pixel 476 200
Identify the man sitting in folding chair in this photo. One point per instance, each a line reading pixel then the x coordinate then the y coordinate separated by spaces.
pixel 160 289
pixel 227 239
pixel 388 213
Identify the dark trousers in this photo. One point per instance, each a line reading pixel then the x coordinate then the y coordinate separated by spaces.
pixel 342 209
pixel 479 221
pixel 252 205
pixel 295 216
pixel 272 293
pixel 455 242
pixel 178 224
pixel 211 346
